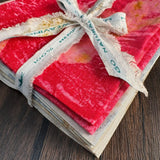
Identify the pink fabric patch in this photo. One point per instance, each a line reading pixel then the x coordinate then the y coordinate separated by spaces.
pixel 78 82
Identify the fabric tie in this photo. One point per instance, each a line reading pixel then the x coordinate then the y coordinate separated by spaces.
pixel 118 64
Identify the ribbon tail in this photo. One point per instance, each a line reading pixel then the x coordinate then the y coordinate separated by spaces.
pixel 37 27
pixel 125 64
pixel 130 60
pixel 109 51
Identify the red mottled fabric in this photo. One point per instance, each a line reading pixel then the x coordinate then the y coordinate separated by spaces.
pixel 78 82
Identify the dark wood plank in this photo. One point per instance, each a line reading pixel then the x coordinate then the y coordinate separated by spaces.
pixel 19 126
pixel 58 146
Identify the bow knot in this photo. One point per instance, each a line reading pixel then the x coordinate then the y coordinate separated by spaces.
pixel 77 23
pixel 117 64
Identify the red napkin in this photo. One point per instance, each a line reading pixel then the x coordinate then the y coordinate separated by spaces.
pixel 78 82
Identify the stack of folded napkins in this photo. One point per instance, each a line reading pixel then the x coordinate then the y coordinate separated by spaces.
pixel 75 92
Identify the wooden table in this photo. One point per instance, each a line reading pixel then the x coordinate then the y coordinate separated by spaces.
pixel 26 135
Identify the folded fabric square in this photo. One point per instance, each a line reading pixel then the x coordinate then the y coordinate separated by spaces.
pixel 78 82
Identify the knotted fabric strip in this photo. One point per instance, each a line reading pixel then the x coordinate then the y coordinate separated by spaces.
pixel 118 64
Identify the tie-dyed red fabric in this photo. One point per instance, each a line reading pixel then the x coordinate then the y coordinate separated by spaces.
pixel 78 82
